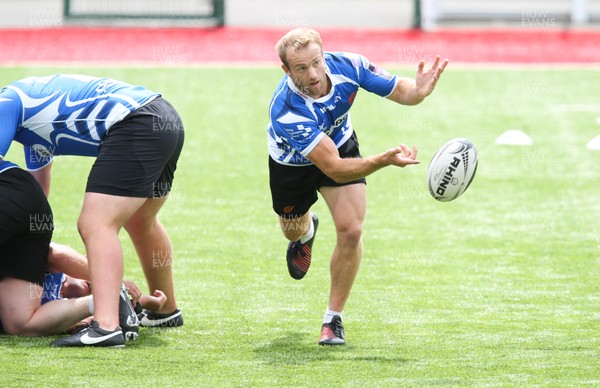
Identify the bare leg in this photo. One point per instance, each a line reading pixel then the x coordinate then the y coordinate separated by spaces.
pixel 348 207
pixel 21 311
pixel 294 227
pixel 154 250
pixel 101 219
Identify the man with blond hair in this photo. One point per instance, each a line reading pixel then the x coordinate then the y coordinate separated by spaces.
pixel 313 148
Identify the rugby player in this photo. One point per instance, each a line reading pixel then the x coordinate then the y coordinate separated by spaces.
pixel 313 148
pixel 26 227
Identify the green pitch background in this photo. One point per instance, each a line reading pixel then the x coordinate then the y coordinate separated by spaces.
pixel 499 287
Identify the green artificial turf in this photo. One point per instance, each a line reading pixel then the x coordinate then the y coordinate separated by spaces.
pixel 497 288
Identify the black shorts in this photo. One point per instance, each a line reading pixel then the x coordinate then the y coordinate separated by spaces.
pixel 294 188
pixel 139 154
pixel 26 226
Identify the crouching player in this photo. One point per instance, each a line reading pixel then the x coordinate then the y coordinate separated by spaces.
pixel 26 227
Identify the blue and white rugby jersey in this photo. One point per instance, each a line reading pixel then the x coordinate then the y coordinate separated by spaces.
pixel 64 114
pixel 299 122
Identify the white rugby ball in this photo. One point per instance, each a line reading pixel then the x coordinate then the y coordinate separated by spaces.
pixel 452 169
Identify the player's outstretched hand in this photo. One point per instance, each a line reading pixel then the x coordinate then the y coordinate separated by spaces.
pixel 402 156
pixel 426 80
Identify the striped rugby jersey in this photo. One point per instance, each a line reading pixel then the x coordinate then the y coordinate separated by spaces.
pixel 64 114
pixel 299 122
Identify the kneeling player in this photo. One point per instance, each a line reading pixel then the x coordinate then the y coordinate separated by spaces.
pixel 26 227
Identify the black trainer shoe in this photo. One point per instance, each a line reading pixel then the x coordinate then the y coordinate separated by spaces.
pixel 76 328
pixel 93 336
pixel 150 319
pixel 299 255
pixel 332 333
pixel 128 319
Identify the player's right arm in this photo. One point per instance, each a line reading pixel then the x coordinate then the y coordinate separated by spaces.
pixel 326 157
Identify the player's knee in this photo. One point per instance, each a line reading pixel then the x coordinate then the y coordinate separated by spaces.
pixel 85 227
pixel 15 326
pixel 350 234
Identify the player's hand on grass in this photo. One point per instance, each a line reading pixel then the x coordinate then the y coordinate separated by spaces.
pixel 402 156
pixel 426 80
pixel 154 302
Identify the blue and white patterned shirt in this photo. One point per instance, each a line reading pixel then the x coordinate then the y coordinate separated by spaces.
pixel 299 122
pixel 64 114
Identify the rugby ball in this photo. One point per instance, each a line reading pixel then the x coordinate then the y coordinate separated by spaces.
pixel 452 169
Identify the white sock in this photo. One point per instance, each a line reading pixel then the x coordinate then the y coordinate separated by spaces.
pixel 91 305
pixel 329 314
pixel 308 235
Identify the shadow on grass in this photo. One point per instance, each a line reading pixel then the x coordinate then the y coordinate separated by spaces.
pixel 298 349
pixel 153 338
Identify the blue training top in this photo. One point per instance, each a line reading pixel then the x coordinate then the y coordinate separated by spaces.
pixel 299 122
pixel 64 114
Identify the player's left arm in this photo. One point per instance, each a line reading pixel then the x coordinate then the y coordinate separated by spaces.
pixel 410 91
pixel 9 113
pixel 326 157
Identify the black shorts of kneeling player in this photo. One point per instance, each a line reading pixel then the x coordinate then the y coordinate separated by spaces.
pixel 26 226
